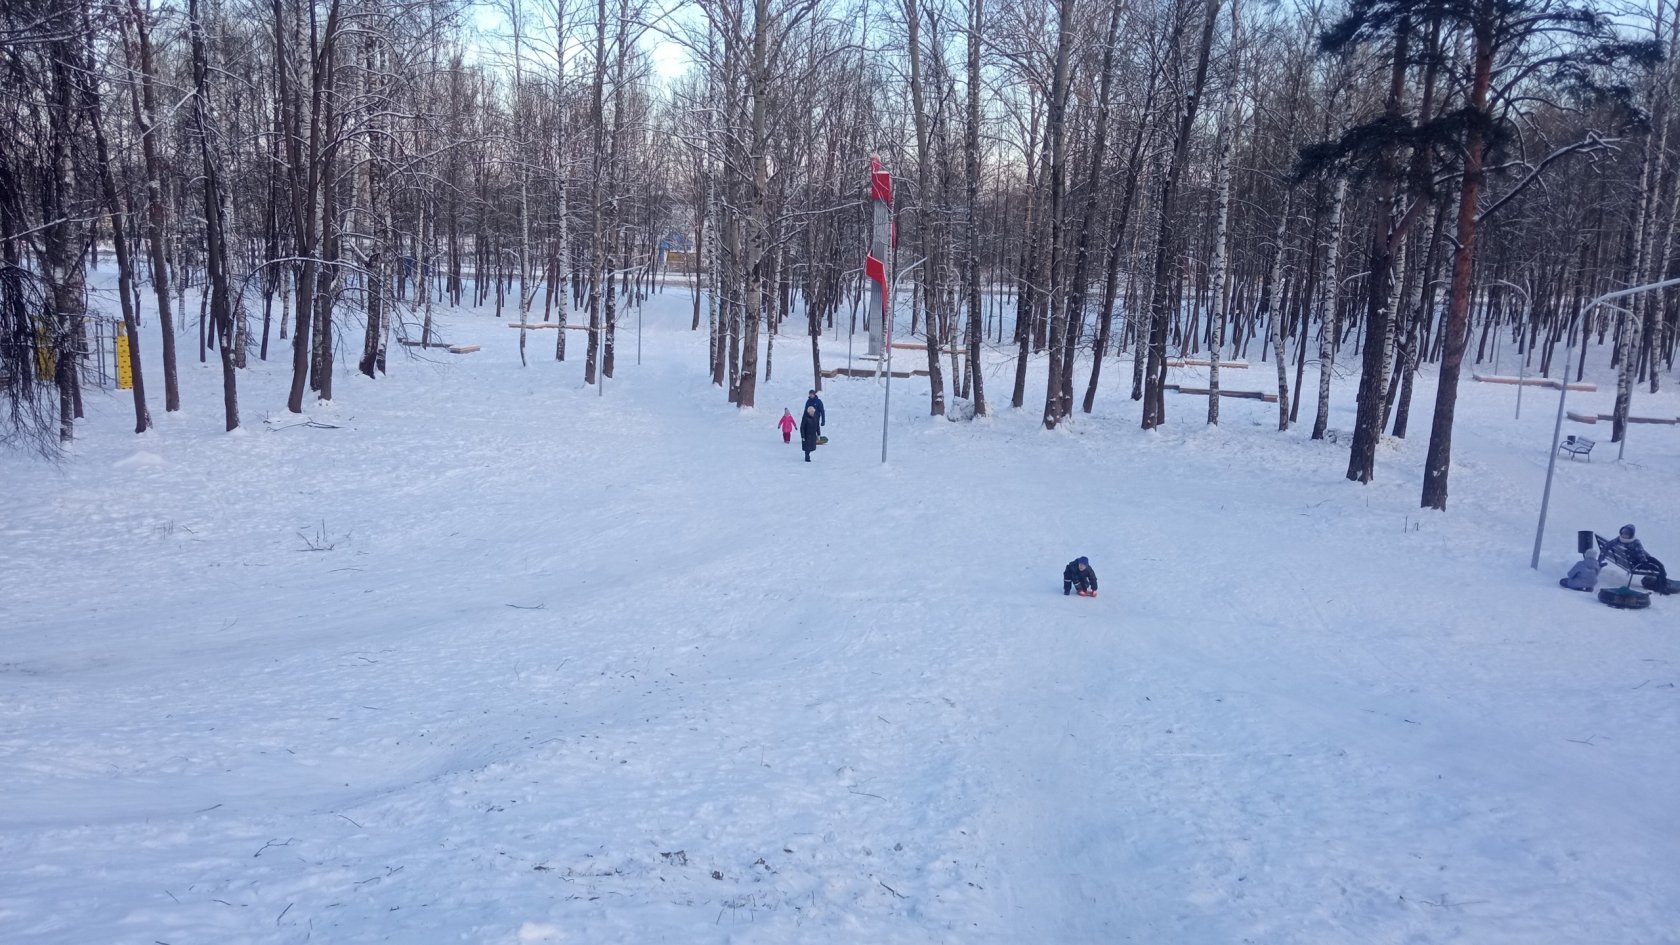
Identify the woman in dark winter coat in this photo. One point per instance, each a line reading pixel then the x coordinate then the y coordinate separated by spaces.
pixel 809 429
pixel 1078 574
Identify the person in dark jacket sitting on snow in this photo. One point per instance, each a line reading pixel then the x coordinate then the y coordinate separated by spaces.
pixel 1078 574
pixel 1636 554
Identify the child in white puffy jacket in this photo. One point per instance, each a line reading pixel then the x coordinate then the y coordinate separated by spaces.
pixel 1584 575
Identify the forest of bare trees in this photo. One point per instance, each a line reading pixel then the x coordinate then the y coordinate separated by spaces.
pixel 1369 193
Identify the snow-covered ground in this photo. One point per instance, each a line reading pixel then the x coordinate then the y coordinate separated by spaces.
pixel 495 659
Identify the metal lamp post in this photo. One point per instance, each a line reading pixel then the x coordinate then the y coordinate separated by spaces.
pixel 1522 363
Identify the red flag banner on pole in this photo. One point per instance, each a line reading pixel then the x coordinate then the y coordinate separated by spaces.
pixel 876 265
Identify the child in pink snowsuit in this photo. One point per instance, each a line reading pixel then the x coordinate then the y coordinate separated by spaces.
pixel 787 424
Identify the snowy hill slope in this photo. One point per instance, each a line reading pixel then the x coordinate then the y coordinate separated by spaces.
pixel 498 659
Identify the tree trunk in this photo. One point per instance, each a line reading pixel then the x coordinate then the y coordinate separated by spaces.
pixel 1274 308
pixel 1437 464
pixel 597 234
pixel 215 216
pixel 927 238
pixel 1329 292
pixel 377 213
pixel 1222 220
pixel 1055 407
pixel 1385 232
pixel 62 239
pixel 114 208
pixel 1078 283
pixel 1423 300
pixel 756 166
pixel 304 173
pixel 1116 244
pixel 1163 300
pixel 971 155
pixel 146 125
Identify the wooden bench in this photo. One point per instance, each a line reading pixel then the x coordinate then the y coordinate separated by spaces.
pixel 921 346
pixel 871 372
pixel 1205 362
pixel 1224 392
pixel 1550 382
pixel 1576 447
pixel 1616 553
pixel 1610 417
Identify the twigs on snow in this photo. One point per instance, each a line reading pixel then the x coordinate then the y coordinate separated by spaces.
pixel 305 423
pixel 321 541
pixel 390 871
pixel 1444 904
pixel 274 843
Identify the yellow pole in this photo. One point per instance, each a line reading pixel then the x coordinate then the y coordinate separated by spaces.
pixel 125 369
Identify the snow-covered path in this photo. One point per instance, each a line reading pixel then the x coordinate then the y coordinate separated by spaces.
pixel 622 668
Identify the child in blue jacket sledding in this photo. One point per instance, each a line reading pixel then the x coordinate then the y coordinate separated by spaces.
pixel 1078 574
